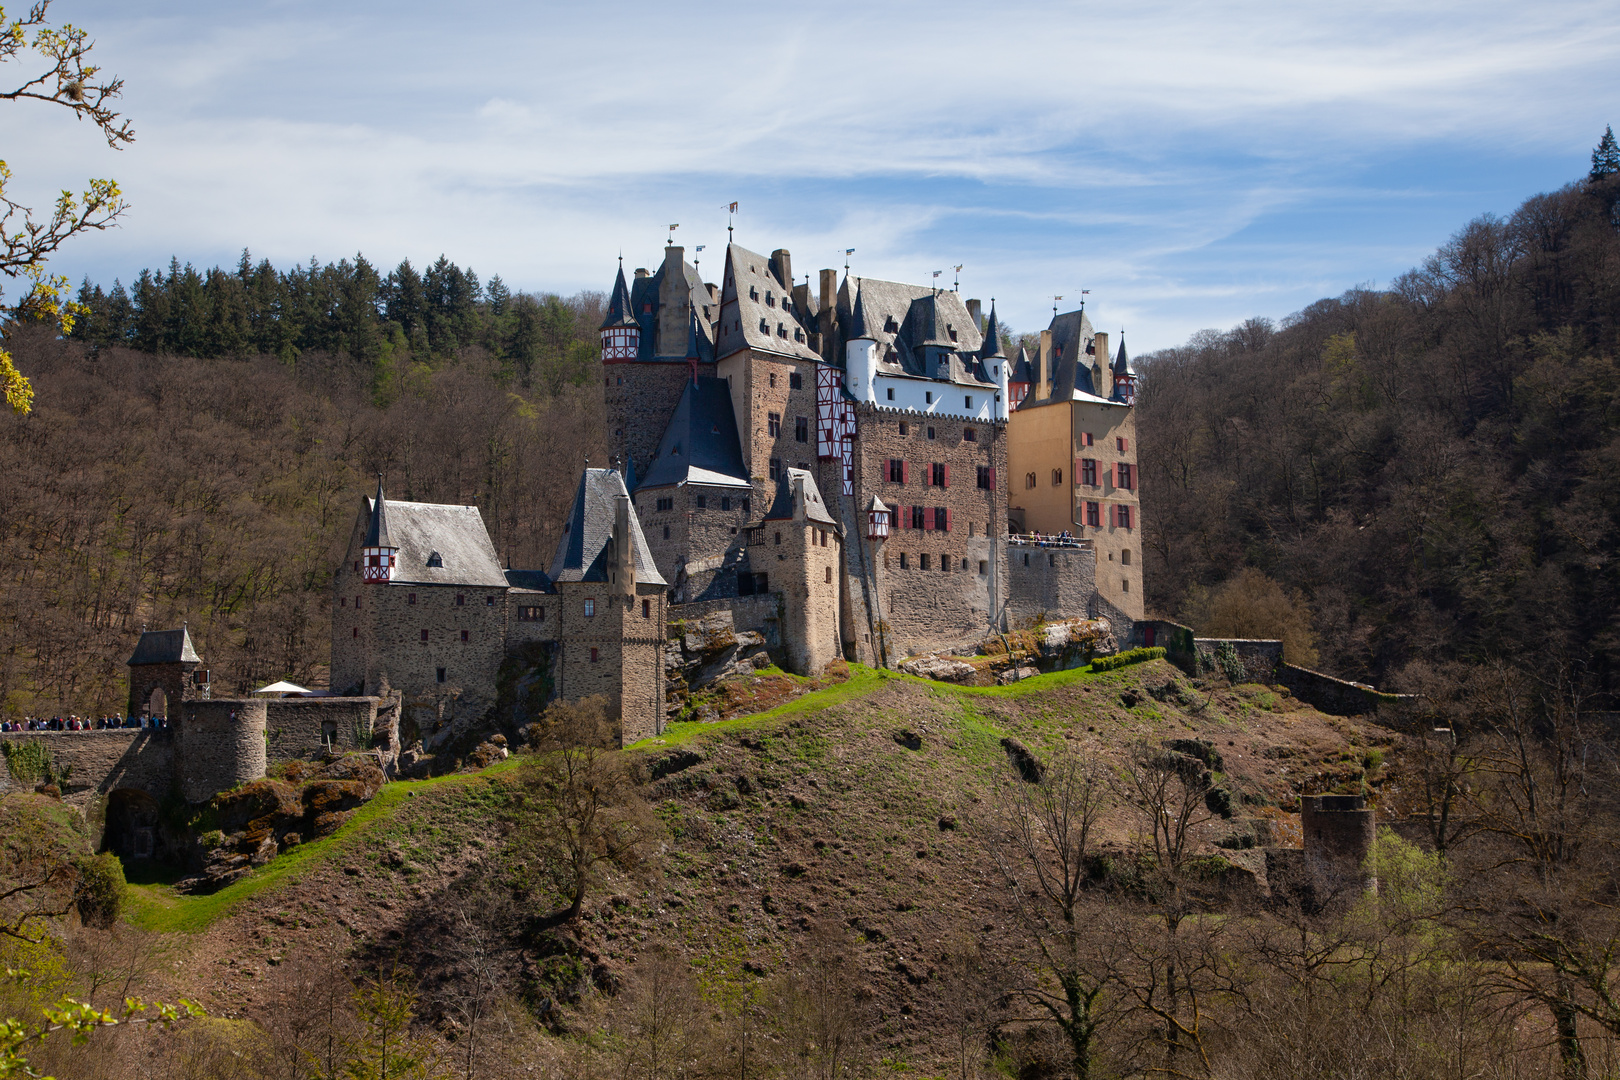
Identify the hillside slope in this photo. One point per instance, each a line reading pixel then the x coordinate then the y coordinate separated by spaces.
pixel 864 819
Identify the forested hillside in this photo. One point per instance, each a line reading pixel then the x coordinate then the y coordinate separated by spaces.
pixel 197 450
pixel 1434 468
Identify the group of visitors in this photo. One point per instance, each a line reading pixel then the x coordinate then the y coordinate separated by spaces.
pixel 75 723
pixel 1040 539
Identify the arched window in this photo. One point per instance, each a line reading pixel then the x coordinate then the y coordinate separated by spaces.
pixel 1057 477
pixel 1029 480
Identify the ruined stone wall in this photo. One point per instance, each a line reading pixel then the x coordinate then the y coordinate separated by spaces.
pixel 954 598
pixel 1045 583
pixel 104 761
pixel 311 727
pixel 640 399
pixel 219 744
pixel 384 637
pixel 1336 696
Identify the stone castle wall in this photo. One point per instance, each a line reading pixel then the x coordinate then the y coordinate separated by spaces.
pixel 383 637
pixel 640 399
pixel 697 548
pixel 219 744
pixel 104 761
pixel 807 573
pixel 1050 582
pixel 310 727
pixel 628 663
pixel 955 597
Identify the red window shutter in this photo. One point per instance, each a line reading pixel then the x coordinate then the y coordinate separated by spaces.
pixel 1079 470
pixel 1113 473
pixel 947 519
pixel 928 519
pixel 947 474
pixel 904 470
pixel 1124 446
pixel 992 478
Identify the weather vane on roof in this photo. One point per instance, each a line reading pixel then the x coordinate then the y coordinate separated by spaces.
pixel 731 212
pixel 695 253
pixel 847 253
pixel 1055 300
pixel 936 279
pixel 1083 294
pixel 671 241
pixel 956 286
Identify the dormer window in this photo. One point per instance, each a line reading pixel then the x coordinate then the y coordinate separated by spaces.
pixel 890 326
pixel 951 332
pixel 435 559
pixel 764 326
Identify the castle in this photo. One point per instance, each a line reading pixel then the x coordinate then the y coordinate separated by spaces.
pixel 849 472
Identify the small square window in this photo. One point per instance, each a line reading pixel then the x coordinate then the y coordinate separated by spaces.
pixel 343 601
pixel 928 397
pixel 410 598
pixel 970 435
pixel 902 560
pixel 489 601
pixel 357 631
pixel 773 379
pixel 930 433
pixel 725 502
pixel 795 381
pixel 646 609
pixel 905 428
pixel 593 654
pixel 891 398
pixel 702 502
pixel 967 400
pixel 461 599
pixel 922 560
pixel 590 607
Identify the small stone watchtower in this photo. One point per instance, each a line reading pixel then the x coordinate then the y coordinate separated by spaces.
pixel 164 671
pixel 1339 831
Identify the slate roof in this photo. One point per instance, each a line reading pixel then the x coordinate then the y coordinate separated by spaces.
pixel 752 296
pixel 909 321
pixel 782 508
pixel 1022 370
pixel 531 580
pixel 1071 365
pixel 377 528
pixel 644 306
pixel 700 445
pixel 620 311
pixel 1122 363
pixel 991 350
pixel 456 533
pixel 164 647
pixel 580 552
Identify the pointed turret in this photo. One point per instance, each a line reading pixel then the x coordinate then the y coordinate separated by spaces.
pixel 1019 378
pixel 380 553
pixel 621 333
pixel 991 349
pixel 1124 375
pixel 857 330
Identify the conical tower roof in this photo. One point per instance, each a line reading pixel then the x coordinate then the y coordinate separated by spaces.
pixel 621 312
pixel 1122 362
pixel 858 329
pixel 991 349
pixel 377 530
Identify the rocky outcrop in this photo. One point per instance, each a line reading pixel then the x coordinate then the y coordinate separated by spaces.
pixel 939 668
pixel 711 648
pixel 1073 642
pixel 250 825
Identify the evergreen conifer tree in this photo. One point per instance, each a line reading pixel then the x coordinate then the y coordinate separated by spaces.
pixel 1606 158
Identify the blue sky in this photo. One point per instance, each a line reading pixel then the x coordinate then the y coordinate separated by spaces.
pixel 1191 164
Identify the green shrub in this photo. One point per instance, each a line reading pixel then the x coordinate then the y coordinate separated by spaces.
pixel 99 894
pixel 1130 656
pixel 29 762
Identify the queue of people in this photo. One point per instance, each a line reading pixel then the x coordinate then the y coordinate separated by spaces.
pixel 1040 539
pixel 76 723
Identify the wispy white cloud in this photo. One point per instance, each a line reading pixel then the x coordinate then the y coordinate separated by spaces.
pixel 1135 148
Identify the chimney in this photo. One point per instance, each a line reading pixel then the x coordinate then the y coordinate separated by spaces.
pixel 1043 365
pixel 973 313
pixel 623 552
pixel 674 302
pixel 641 271
pixel 782 263
pixel 803 306
pixel 1105 384
pixel 829 289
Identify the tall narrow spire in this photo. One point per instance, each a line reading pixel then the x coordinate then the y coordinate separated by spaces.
pixel 379 552
pixel 857 328
pixel 377 530
pixel 991 350
pixel 620 311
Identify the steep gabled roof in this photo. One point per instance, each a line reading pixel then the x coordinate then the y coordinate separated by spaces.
pixel 620 312
pixel 645 308
pixel 700 445
pixel 904 319
pixel 581 551
pixel 532 580
pixel 756 310
pixel 456 534
pixel 164 647
pixel 814 508
pixel 1071 369
pixel 1022 370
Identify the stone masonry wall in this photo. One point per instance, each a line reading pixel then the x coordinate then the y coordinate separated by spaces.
pixel 105 761
pixel 1049 583
pixel 219 744
pixel 628 666
pixel 295 727
pixel 804 558
pixel 384 637
pixel 697 548
pixel 640 399
pixel 956 597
